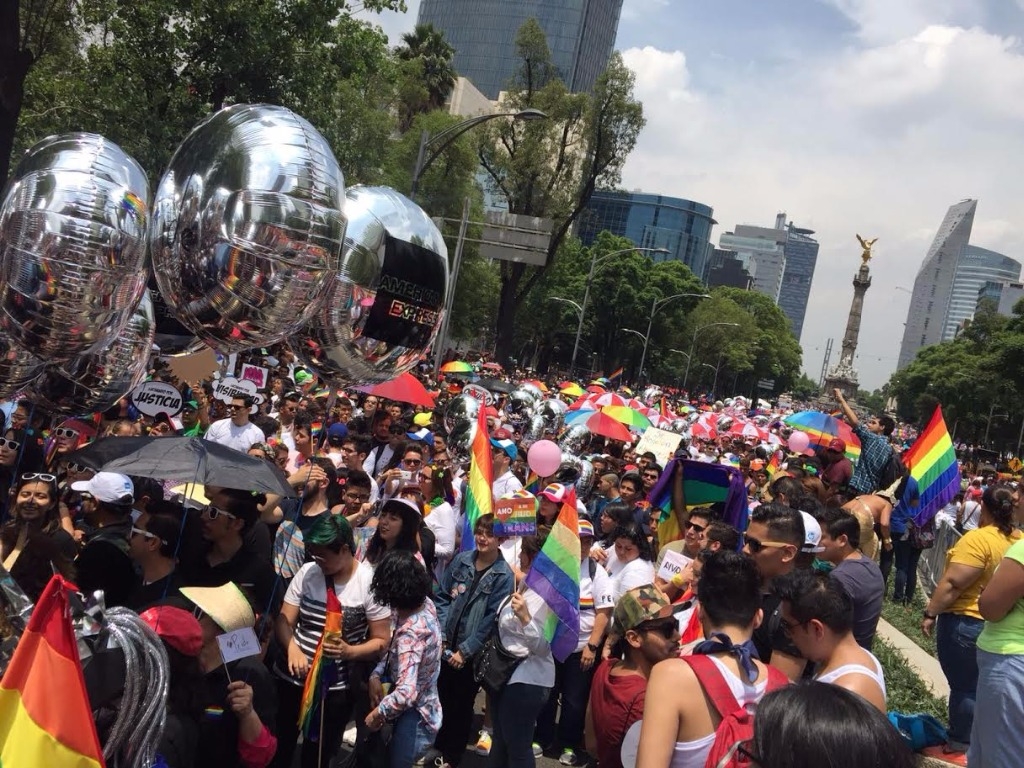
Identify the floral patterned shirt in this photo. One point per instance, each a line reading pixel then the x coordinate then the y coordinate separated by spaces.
pixel 411 666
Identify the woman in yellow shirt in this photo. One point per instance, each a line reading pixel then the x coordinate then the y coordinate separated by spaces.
pixel 953 609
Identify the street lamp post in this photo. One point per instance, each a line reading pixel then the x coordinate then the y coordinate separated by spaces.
pixel 693 342
pixel 655 306
pixel 586 291
pixel 447 136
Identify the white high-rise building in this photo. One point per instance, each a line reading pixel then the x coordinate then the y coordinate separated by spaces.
pixel 763 252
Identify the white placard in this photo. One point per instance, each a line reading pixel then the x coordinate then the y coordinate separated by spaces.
pixel 672 564
pixel 238 644
pixel 155 397
pixel 255 374
pixel 479 393
pixel 660 442
pixel 227 389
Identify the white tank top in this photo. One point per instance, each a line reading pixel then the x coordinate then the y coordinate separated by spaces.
pixel 693 754
pixel 856 669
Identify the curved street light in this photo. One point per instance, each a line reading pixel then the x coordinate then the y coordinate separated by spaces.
pixel 635 333
pixel 443 139
pixel 659 304
pixel 693 341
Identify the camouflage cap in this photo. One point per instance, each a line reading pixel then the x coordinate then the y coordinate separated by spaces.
pixel 639 605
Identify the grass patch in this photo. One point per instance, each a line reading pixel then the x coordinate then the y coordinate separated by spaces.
pixel 905 691
pixel 907 619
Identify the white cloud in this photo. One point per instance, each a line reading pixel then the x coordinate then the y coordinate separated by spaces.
pixel 881 21
pixel 877 140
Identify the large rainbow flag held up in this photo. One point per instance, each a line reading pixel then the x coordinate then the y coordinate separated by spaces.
pixel 934 473
pixel 703 484
pixel 555 576
pixel 320 676
pixel 45 717
pixel 479 500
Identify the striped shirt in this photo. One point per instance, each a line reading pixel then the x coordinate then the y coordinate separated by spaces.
pixel 308 591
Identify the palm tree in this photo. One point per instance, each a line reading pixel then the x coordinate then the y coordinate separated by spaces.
pixel 426 44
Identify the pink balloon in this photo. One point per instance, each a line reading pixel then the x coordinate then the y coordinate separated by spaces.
pixel 544 458
pixel 798 442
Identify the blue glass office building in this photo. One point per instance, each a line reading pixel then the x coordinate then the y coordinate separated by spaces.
pixel 580 33
pixel 801 257
pixel 682 227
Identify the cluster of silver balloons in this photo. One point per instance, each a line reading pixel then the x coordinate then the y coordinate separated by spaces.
pixel 248 246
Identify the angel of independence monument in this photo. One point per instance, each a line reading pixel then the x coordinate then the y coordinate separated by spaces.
pixel 844 376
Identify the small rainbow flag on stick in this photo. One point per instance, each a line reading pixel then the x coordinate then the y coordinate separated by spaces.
pixel 479 500
pixel 322 674
pixel 934 473
pixel 45 716
pixel 555 576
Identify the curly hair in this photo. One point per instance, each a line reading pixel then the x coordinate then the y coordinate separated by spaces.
pixel 400 581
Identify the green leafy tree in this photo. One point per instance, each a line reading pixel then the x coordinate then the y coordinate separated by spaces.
pixel 427 48
pixel 804 388
pixel 550 168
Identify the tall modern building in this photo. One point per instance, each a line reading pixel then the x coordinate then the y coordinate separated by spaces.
pixel 727 269
pixel 1004 296
pixel 976 267
pixel 580 33
pixel 682 227
pixel 933 287
pixel 801 257
pixel 763 252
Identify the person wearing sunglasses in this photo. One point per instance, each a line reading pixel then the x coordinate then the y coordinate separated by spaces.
pixel 405 467
pixel 153 547
pixel 644 632
pixel 773 540
pixel 104 563
pixel 680 718
pixel 20 452
pixel 236 431
pixel 693 540
pixel 32 542
pixel 69 436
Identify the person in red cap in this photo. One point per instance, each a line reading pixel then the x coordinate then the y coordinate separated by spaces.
pixel 838 468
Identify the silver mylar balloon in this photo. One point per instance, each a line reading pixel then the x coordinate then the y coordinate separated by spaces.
pixel 95 381
pixel 575 439
pixel 534 431
pixel 460 442
pixel 521 402
pixel 678 426
pixel 723 424
pixel 585 483
pixel 247 227
pixel 460 409
pixel 73 225
pixel 570 470
pixel 17 368
pixel 552 411
pixel 385 306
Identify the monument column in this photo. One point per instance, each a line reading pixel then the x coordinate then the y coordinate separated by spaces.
pixel 844 375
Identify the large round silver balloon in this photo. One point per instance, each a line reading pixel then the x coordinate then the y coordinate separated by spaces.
pixel 535 429
pixel 385 307
pixel 17 368
pixel 520 404
pixel 460 442
pixel 95 381
pixel 552 411
pixel 73 225
pixel 585 483
pixel 575 440
pixel 247 227
pixel 461 408
pixel 678 426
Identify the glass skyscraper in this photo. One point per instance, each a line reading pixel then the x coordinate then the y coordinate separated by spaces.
pixel 801 258
pixel 682 227
pixel 976 267
pixel 580 33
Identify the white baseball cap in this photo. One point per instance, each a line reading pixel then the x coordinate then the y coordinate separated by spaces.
pixel 812 535
pixel 109 487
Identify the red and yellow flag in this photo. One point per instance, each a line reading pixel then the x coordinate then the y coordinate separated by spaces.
pixel 45 717
pixel 321 674
pixel 480 478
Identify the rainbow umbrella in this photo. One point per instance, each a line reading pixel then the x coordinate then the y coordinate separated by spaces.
pixel 457 366
pixel 600 424
pixel 628 416
pixel 821 428
pixel 572 390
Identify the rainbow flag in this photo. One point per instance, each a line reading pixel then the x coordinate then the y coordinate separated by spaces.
pixel 533 483
pixel 934 473
pixel 321 674
pixel 615 375
pixel 774 465
pixel 479 499
pixel 703 484
pixel 663 409
pixel 45 716
pixel 555 576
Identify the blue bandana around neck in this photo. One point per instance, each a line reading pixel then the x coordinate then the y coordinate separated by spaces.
pixel 745 652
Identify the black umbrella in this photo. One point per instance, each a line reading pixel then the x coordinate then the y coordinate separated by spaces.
pixel 188 459
pixel 496 385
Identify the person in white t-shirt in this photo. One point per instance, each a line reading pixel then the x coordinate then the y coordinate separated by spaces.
pixel 503 453
pixel 573 676
pixel 237 431
pixel 634 564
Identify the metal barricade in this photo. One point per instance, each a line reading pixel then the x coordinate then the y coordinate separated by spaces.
pixel 933 561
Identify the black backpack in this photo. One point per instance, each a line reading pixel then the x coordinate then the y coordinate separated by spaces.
pixel 893 471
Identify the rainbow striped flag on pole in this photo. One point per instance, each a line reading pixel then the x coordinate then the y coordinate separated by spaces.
pixel 45 716
pixel 555 576
pixel 321 675
pixel 934 473
pixel 479 500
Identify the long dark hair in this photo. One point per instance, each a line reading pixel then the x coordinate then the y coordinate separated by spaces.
pixel 51 521
pixel 408 537
pixel 998 500
pixel 621 514
pixel 813 724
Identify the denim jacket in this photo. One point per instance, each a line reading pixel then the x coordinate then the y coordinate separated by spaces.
pixel 467 622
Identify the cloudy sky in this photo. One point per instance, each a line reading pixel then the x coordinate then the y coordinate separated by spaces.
pixel 853 116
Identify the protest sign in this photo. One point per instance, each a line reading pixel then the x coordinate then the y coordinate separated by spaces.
pixel 672 564
pixel 660 442
pixel 255 374
pixel 238 644
pixel 226 389
pixel 478 393
pixel 155 397
pixel 515 516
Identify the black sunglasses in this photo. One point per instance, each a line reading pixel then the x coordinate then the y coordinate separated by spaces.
pixel 697 528
pixel 666 627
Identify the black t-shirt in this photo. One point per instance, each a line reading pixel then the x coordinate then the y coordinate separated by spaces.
pixel 771 635
pixel 104 564
pixel 146 595
pixel 218 730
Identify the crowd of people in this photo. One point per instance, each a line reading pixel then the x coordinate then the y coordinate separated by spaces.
pixel 778 613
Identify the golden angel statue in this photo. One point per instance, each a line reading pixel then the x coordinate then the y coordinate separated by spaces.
pixel 866 245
